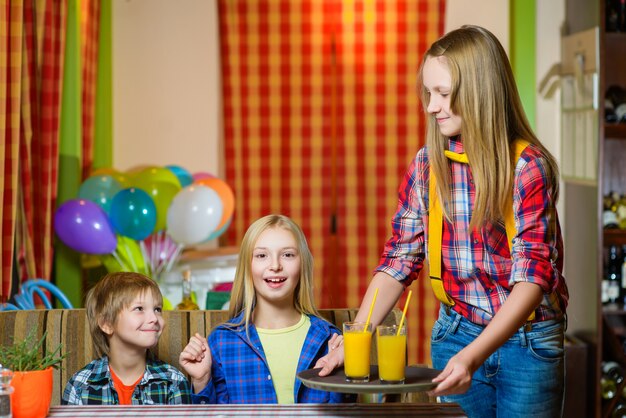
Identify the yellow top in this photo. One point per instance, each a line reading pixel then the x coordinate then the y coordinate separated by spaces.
pixel 282 349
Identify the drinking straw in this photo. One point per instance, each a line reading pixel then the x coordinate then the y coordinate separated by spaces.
pixel 369 315
pixel 406 305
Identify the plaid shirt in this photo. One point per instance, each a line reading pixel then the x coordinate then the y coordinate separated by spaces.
pixel 240 373
pixel 477 268
pixel 161 384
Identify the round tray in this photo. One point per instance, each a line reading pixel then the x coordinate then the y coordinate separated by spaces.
pixel 417 379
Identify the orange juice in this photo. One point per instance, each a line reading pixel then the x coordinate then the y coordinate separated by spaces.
pixel 391 357
pixel 357 346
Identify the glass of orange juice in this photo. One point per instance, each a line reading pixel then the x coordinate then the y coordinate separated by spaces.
pixel 357 343
pixel 391 353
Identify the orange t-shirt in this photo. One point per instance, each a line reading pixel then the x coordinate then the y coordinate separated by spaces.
pixel 124 392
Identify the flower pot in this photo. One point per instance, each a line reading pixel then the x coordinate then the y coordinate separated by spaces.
pixel 32 392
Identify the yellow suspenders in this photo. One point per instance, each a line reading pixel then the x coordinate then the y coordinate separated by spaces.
pixel 435 225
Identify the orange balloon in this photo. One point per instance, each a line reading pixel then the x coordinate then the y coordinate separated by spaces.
pixel 225 193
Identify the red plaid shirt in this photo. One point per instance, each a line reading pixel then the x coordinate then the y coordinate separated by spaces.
pixel 477 267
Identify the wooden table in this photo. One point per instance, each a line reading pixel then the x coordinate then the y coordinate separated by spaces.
pixel 296 410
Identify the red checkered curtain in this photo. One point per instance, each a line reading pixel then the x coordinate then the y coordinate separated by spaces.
pixel 11 24
pixel 90 28
pixel 31 52
pixel 321 120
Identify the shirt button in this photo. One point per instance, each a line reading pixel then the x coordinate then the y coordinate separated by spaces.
pixel 475 241
pixel 269 377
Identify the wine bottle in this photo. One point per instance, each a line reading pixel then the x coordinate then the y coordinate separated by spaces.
pixel 609 213
pixel 614 275
pixel 620 409
pixel 621 212
pixel 614 370
pixel 616 95
pixel 612 16
pixel 608 387
pixel 187 304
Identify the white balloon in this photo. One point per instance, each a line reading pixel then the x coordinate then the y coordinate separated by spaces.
pixel 195 212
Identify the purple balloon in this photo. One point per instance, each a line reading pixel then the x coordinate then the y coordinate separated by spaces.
pixel 83 226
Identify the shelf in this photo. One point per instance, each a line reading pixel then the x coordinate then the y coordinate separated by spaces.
pixel 614 237
pixel 615 130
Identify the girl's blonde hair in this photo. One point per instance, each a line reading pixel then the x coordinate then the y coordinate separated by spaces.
pixel 484 94
pixel 109 297
pixel 243 296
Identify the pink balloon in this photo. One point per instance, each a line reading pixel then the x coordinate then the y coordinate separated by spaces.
pixel 202 175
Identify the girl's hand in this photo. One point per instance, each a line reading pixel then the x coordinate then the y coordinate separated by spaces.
pixel 334 358
pixel 454 379
pixel 196 361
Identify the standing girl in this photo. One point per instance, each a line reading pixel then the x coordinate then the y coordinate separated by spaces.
pixel 480 206
pixel 274 331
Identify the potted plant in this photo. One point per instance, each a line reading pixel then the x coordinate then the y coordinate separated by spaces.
pixel 32 374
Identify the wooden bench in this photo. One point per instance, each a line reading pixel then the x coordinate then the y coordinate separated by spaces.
pixel 69 327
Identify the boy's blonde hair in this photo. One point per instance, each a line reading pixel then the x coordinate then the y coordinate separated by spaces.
pixel 243 297
pixel 484 94
pixel 109 297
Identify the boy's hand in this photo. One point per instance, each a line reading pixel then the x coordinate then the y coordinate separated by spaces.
pixel 334 358
pixel 196 361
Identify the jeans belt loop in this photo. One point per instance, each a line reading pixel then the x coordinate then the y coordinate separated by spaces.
pixel 456 321
pixel 527 327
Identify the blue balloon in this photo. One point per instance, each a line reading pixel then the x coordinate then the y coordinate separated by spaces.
pixel 100 190
pixel 83 226
pixel 184 177
pixel 133 213
pixel 220 231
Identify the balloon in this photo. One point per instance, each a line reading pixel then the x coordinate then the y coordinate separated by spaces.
pixel 100 189
pixel 122 178
pixel 162 194
pixel 194 213
pixel 155 175
pixel 219 231
pixel 225 193
pixel 184 176
pixel 202 175
pixel 133 213
pixel 83 226
pixel 129 253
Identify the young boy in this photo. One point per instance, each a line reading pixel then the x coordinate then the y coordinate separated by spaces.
pixel 124 311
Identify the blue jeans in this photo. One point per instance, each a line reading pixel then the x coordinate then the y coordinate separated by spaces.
pixel 525 377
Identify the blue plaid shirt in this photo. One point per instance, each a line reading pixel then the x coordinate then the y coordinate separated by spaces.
pixel 240 373
pixel 161 384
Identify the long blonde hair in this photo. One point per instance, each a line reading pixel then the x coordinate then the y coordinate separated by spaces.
pixel 243 296
pixel 484 94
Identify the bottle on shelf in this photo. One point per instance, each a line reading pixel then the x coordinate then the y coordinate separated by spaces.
pixel 613 370
pixel 614 276
pixel 621 210
pixel 612 15
pixel 620 409
pixel 609 212
pixel 187 304
pixel 615 102
pixel 608 387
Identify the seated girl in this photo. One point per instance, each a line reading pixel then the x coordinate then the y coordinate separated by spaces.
pixel 275 330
